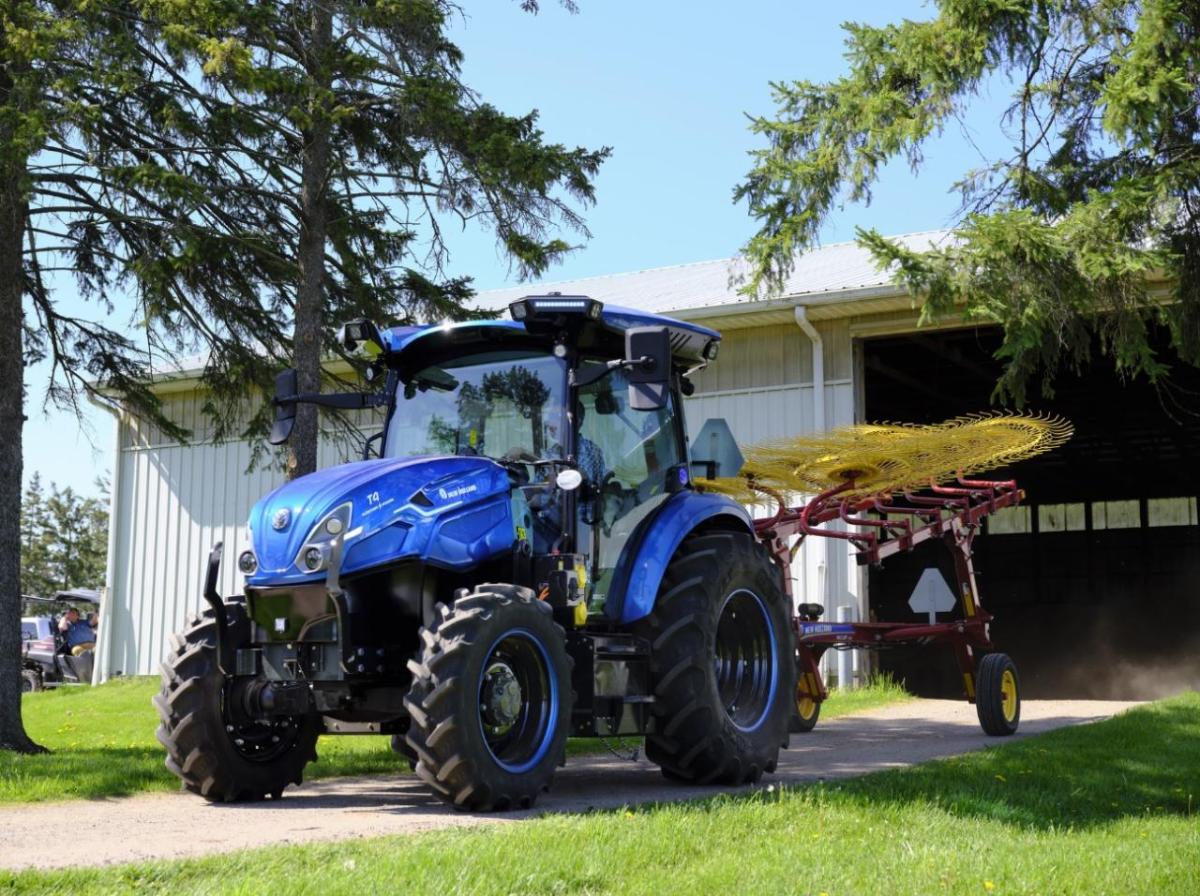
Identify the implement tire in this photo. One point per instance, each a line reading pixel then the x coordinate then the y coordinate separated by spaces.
pixel 491 699
pixel 998 695
pixel 807 709
pixel 31 680
pixel 721 661
pixel 215 756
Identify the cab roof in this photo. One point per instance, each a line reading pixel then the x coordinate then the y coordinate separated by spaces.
pixel 689 341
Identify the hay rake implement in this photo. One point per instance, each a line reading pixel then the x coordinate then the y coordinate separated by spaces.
pixel 892 488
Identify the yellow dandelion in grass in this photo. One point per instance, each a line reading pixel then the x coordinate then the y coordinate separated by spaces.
pixel 988 885
pixel 628 814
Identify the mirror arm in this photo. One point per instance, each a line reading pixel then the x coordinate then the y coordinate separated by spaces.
pixel 598 373
pixel 343 400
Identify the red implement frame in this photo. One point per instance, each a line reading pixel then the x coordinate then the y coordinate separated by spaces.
pixel 952 514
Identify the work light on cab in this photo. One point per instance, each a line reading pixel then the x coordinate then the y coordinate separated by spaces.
pixel 548 308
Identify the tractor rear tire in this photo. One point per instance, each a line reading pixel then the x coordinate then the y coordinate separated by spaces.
pixel 998 695
pixel 721 661
pixel 491 699
pixel 220 758
pixel 31 680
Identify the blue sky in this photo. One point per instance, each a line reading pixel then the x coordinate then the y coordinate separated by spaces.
pixel 668 86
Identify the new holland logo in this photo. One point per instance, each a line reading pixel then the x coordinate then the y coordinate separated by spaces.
pixel 447 494
pixel 282 517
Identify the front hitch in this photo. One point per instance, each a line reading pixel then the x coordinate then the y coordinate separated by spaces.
pixel 258 698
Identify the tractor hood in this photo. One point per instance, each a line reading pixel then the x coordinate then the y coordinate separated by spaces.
pixel 451 511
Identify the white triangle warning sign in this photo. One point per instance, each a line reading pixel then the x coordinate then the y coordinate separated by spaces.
pixel 932 595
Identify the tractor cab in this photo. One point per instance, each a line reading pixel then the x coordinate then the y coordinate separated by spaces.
pixel 580 403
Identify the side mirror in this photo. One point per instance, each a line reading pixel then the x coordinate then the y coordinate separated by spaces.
pixel 361 337
pixel 286 387
pixel 716 450
pixel 648 380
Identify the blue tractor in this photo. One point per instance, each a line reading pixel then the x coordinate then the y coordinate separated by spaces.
pixel 524 558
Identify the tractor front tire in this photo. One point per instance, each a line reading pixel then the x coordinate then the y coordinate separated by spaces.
pixel 218 757
pixel 31 680
pixel 722 662
pixel 491 699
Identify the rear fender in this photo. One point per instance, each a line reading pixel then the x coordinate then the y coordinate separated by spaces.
pixel 644 560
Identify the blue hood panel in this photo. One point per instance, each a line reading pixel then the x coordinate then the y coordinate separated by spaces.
pixel 464 517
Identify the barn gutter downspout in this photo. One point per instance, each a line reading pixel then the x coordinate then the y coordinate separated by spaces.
pixel 819 425
pixel 818 366
pixel 818 384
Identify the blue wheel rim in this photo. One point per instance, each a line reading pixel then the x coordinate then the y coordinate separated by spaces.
pixel 746 660
pixel 517 730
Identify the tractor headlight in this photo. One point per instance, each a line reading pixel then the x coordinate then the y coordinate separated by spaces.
pixel 314 553
pixel 247 563
pixel 314 559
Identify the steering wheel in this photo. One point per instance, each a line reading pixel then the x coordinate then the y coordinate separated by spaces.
pixel 520 456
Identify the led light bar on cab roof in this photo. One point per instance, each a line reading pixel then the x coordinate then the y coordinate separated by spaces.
pixel 533 307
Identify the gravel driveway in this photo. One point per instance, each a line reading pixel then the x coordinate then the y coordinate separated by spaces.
pixel 165 826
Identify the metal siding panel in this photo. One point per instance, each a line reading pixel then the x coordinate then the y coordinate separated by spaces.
pixel 157 560
pixel 122 650
pixel 836 336
pixel 146 506
pixel 758 357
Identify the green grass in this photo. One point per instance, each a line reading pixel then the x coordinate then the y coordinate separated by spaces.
pixel 1094 809
pixel 102 743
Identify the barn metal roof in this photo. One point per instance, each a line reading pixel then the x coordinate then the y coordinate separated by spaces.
pixel 830 274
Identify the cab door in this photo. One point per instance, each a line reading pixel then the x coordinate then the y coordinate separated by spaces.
pixel 627 458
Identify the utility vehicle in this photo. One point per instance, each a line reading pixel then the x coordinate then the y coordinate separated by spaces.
pixel 527 558
pixel 46 660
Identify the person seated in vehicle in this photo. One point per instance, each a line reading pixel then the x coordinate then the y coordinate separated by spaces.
pixel 80 636
pixel 544 498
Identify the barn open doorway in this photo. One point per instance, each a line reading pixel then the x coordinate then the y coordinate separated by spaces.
pixel 1095 582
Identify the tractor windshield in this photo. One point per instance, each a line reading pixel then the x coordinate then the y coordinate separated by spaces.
pixel 498 404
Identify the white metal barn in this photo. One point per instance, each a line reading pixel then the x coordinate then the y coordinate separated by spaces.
pixel 840 345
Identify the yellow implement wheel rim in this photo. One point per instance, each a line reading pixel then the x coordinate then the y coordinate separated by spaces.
pixel 806 706
pixel 1008 695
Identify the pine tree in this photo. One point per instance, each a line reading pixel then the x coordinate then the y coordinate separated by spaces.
pixel 107 170
pixel 36 577
pixel 355 118
pixel 64 538
pixel 1082 231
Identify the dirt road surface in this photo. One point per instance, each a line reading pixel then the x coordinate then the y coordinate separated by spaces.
pixel 175 825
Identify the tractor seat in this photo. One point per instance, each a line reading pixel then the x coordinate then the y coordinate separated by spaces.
pixel 813 611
